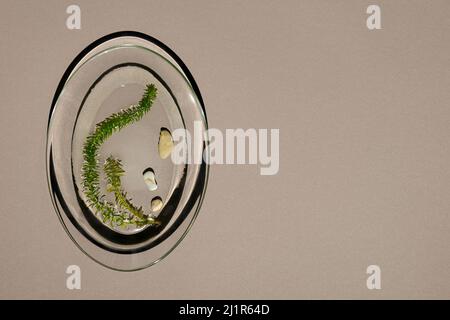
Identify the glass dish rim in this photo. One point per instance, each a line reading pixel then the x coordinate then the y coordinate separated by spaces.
pixel 71 70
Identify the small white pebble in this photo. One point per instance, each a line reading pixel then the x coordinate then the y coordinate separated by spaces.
pixel 156 204
pixel 150 180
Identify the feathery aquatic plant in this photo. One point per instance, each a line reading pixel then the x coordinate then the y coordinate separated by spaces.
pixel 90 174
pixel 114 171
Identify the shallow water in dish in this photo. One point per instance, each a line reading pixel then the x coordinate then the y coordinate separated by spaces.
pixel 136 145
pixel 107 76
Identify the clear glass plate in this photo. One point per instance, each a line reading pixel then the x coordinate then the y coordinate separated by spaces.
pixel 108 76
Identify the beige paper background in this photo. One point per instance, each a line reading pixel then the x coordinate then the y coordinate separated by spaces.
pixel 364 140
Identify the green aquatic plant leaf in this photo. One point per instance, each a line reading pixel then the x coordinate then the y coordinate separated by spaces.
pixel 114 171
pixel 90 174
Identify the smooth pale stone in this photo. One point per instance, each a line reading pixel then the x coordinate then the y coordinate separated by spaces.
pixel 165 143
pixel 150 180
pixel 156 204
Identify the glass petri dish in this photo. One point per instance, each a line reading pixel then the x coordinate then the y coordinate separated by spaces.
pixel 111 75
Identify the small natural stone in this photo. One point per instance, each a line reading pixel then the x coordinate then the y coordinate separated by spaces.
pixel 165 143
pixel 150 180
pixel 156 204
